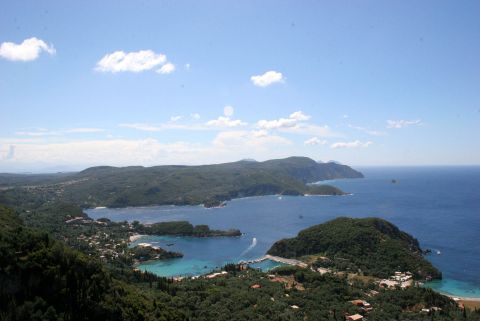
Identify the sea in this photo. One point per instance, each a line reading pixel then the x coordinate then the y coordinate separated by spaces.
pixel 440 206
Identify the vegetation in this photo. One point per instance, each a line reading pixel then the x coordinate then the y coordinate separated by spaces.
pixel 372 246
pixel 148 253
pixel 42 279
pixel 180 185
pixel 182 228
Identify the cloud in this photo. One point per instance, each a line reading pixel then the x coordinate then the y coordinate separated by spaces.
pixel 222 121
pixel 402 123
pixel 187 66
pixel 296 124
pixel 226 146
pixel 366 130
pixel 137 61
pixel 84 130
pixel 143 127
pixel 8 154
pixel 167 68
pixel 260 133
pixel 42 132
pixel 195 115
pixel 267 79
pixel 314 141
pixel 28 50
pixel 228 111
pixel 175 118
pixel 291 121
pixel 354 144
pixel 247 139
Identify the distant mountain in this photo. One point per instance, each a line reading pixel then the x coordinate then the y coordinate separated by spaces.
pixel 181 185
pixel 373 245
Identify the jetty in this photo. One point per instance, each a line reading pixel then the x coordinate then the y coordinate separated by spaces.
pixel 276 259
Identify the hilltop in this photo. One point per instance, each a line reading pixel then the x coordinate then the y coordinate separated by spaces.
pixel 371 245
pixel 179 185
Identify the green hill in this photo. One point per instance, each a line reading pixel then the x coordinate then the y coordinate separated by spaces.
pixel 180 185
pixel 42 279
pixel 373 245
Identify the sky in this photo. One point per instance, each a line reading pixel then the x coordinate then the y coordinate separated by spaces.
pixel 389 83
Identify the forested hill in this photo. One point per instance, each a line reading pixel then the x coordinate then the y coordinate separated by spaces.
pixel 373 245
pixel 181 185
pixel 42 279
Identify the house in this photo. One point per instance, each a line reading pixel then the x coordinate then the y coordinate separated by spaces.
pixel 364 305
pixel 355 317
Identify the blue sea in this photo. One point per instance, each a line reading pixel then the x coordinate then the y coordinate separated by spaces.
pixel 440 206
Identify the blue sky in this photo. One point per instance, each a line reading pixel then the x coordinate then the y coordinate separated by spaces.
pixel 194 82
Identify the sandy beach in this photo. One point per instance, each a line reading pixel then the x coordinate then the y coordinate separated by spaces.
pixel 469 303
pixel 135 237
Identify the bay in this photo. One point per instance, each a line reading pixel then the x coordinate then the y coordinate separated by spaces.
pixel 440 206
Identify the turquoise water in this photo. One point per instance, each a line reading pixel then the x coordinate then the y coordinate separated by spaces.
pixel 455 287
pixel 266 265
pixel 440 206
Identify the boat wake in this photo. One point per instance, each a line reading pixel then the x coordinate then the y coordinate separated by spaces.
pixel 251 246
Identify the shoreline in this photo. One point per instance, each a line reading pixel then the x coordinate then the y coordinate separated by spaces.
pixel 135 237
pixel 202 205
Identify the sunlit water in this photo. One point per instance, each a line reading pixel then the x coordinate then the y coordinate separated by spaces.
pixel 440 206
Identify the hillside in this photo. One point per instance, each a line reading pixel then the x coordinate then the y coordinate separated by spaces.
pixel 181 185
pixel 42 279
pixel 373 245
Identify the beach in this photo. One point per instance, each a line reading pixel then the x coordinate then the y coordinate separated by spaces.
pixel 135 237
pixel 469 303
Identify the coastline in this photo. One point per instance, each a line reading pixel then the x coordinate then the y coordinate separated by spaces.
pixel 135 237
pixel 172 205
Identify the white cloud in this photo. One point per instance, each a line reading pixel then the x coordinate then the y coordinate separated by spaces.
pixel 8 153
pixel 260 133
pixel 28 50
pixel 222 121
pixel 84 130
pixel 402 123
pixel 368 131
pixel 247 139
pixel 291 121
pixel 143 127
pixel 228 111
pixel 167 68
pixel 195 115
pixel 296 124
pixel 268 78
pixel 137 61
pixel 42 132
pixel 187 67
pixel 314 141
pixel 354 144
pixel 226 146
pixel 175 118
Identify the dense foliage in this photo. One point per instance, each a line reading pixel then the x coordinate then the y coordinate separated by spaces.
pixel 371 245
pixel 147 253
pixel 182 228
pixel 42 279
pixel 209 184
